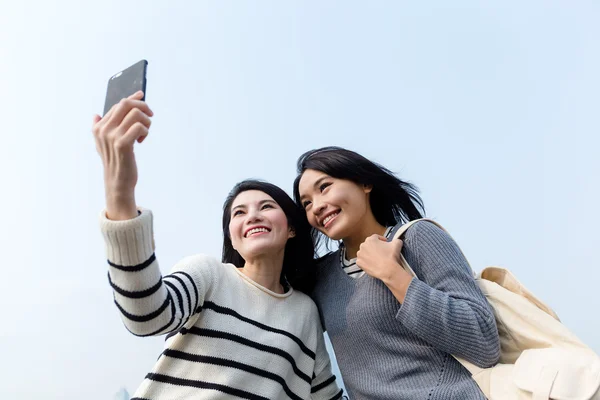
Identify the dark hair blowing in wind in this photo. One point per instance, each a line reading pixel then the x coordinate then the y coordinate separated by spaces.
pixel 392 200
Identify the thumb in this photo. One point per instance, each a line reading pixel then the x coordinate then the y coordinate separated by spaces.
pixel 96 119
pixel 398 243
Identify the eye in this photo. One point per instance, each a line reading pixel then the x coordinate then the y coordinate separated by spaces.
pixel 237 212
pixel 324 186
pixel 267 205
pixel 305 204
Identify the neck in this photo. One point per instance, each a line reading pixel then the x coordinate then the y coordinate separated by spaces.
pixel 266 271
pixel 369 226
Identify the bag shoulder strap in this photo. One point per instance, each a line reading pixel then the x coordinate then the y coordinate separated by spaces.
pixel 400 229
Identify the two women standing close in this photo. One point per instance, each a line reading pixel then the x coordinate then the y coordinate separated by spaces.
pixel 245 327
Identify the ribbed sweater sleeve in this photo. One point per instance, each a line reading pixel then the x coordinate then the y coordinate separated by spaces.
pixel 445 306
pixel 149 303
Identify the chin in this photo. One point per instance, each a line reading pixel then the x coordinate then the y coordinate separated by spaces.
pixel 333 234
pixel 264 249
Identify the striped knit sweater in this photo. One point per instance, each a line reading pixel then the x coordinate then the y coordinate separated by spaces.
pixel 233 338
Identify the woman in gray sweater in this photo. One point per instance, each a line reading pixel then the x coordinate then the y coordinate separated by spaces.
pixel 394 336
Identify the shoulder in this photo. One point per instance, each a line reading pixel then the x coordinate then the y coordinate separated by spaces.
pixel 202 264
pixel 305 305
pixel 303 299
pixel 202 260
pixel 425 231
pixel 427 239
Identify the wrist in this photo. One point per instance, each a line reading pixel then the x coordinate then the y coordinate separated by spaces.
pixel 120 207
pixel 398 280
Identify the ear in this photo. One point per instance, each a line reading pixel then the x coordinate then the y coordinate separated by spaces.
pixel 291 233
pixel 367 188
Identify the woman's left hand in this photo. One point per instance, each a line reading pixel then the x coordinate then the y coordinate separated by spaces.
pixel 378 257
pixel 381 259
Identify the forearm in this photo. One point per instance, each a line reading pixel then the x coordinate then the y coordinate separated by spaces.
pixel 398 282
pixel 444 306
pixel 457 326
pixel 149 305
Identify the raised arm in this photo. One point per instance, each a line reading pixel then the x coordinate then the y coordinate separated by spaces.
pixel 149 303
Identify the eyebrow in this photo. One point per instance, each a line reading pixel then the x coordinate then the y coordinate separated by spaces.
pixel 316 184
pixel 260 204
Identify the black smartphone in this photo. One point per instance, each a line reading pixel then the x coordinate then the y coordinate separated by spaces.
pixel 125 83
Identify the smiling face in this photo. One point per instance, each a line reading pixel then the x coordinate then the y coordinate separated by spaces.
pixel 258 225
pixel 336 207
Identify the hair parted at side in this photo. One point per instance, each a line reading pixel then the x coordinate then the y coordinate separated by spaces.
pixel 298 261
pixel 392 200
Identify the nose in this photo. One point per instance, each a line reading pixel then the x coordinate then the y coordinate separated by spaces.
pixel 253 216
pixel 318 207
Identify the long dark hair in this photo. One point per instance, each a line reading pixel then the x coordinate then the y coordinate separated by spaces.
pixel 298 263
pixel 392 200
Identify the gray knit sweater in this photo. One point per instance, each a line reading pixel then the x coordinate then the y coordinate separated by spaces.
pixel 387 350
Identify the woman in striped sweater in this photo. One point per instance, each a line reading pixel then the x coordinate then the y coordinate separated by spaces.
pixel 238 328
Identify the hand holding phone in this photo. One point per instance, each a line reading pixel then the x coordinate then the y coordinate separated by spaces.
pixel 124 123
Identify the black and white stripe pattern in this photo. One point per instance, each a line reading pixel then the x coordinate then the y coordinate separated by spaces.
pixel 227 336
pixel 349 266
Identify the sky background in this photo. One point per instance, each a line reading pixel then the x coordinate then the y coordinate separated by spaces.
pixel 490 108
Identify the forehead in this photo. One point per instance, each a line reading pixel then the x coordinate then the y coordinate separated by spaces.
pixel 249 197
pixel 308 180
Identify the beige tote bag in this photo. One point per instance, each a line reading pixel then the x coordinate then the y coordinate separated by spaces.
pixel 540 358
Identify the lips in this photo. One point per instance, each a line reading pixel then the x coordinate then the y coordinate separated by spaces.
pixel 255 230
pixel 326 220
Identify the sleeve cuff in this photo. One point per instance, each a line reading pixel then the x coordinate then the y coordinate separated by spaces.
pixel 415 301
pixel 130 242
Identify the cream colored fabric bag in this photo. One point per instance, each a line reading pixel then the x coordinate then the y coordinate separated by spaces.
pixel 540 358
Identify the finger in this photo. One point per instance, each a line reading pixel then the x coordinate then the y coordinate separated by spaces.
pixel 134 116
pixel 398 243
pixel 371 238
pixel 95 119
pixel 137 95
pixel 138 131
pixel 120 110
pixel 382 238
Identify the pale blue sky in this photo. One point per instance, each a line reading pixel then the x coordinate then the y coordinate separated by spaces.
pixel 491 108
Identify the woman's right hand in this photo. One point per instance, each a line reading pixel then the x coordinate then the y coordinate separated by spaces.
pixel 115 134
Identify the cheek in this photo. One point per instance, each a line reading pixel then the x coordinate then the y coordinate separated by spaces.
pixel 280 220
pixel 353 201
pixel 234 233
pixel 337 197
pixel 312 219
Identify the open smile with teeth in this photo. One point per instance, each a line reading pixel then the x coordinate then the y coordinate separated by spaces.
pixel 329 218
pixel 255 231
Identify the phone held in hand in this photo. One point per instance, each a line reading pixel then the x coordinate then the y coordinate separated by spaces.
pixel 125 83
